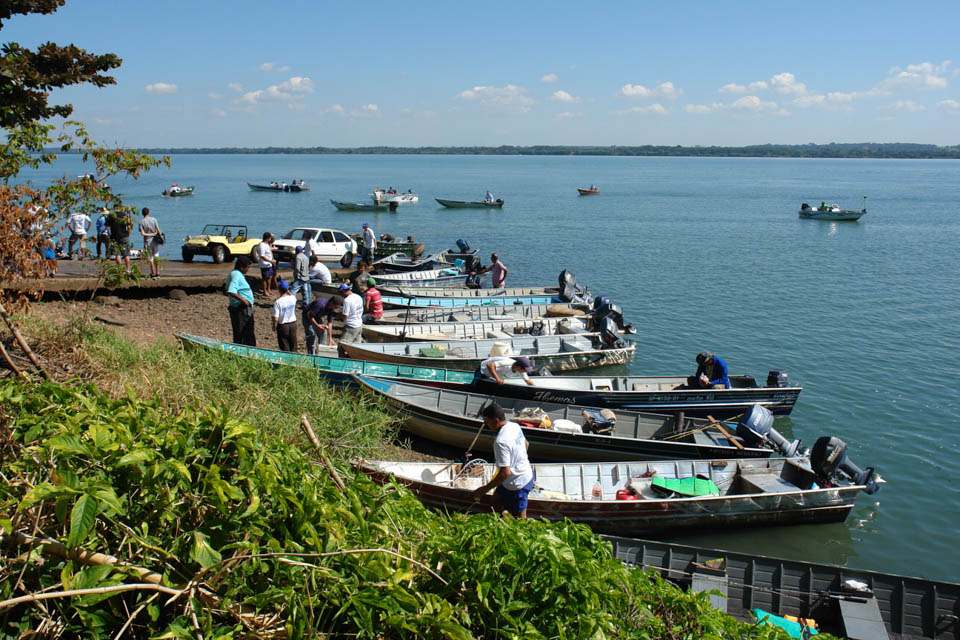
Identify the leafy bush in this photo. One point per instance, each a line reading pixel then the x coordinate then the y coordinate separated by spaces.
pixel 248 538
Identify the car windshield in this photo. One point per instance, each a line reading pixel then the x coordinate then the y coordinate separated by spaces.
pixel 224 230
pixel 299 234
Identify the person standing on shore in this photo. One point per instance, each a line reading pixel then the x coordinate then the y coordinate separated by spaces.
pixel 78 223
pixel 268 266
pixel 498 270
pixel 515 475
pixel 352 315
pixel 120 224
pixel 369 243
pixel 241 303
pixel 150 231
pixel 285 318
pixel 301 276
pixel 103 234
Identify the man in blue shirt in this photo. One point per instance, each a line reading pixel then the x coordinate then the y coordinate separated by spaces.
pixel 711 373
pixel 241 303
pixel 103 234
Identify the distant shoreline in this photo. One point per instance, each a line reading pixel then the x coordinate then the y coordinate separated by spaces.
pixel 897 150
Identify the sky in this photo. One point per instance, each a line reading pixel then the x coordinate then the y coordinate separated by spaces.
pixel 351 74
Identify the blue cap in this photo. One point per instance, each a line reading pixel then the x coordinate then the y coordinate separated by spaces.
pixel 344 286
pixel 366 224
pixel 283 285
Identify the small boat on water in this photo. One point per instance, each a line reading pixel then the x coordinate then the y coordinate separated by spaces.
pixel 175 191
pixel 634 498
pixel 400 262
pixel 831 212
pixel 386 197
pixel 592 191
pixel 494 329
pixel 556 353
pixel 407 302
pixel 453 418
pixel 481 314
pixel 466 204
pixel 285 188
pixel 362 206
pixel 443 278
pixel 657 394
pixel 844 601
pixel 333 370
pixel 460 292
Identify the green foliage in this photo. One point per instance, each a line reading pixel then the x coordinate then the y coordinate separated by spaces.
pixel 263 542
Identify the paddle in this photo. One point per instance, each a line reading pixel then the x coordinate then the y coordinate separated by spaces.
pixel 723 430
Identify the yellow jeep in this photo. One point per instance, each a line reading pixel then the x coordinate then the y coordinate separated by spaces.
pixel 222 242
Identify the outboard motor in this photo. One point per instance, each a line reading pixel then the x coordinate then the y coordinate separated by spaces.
pixel 393 205
pixel 610 335
pixel 829 458
pixel 473 281
pixel 599 301
pixel 463 246
pixel 804 206
pixel 613 312
pixel 777 379
pixel 756 430
pixel 568 286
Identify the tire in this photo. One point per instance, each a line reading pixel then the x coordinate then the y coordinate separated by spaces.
pixel 219 254
pixel 187 255
pixel 254 254
pixel 347 259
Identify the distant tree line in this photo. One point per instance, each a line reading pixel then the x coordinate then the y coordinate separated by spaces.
pixel 832 150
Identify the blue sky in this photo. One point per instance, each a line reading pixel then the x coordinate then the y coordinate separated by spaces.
pixel 259 74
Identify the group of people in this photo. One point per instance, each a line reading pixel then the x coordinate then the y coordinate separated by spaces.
pixel 284 185
pixel 113 236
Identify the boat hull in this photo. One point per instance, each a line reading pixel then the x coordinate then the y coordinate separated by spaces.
pixel 406 302
pixel 588 192
pixel 838 216
pixel 290 188
pixel 466 204
pixel 719 403
pixel 479 314
pixel 186 191
pixel 470 330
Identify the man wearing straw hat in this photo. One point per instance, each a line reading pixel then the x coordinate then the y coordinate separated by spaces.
pixel 515 476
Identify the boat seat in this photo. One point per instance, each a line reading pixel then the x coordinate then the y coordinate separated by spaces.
pixel 498 334
pixel 861 618
pixel 765 483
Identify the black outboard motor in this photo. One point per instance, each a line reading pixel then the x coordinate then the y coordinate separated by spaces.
pixel 463 246
pixel 756 430
pixel 610 335
pixel 612 311
pixel 777 379
pixel 829 457
pixel 599 301
pixel 568 285
pixel 473 281
pixel 804 206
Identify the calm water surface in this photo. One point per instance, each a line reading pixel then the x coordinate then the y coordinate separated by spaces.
pixel 701 254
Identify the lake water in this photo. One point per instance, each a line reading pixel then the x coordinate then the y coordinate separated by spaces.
pixel 701 254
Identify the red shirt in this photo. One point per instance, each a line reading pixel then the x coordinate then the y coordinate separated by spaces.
pixel 372 296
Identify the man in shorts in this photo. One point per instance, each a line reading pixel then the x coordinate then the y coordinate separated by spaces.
pixel 515 475
pixel 268 266
pixel 150 231
pixel 119 223
pixel 78 223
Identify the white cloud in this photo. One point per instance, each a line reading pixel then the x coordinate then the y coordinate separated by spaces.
pixel 220 113
pixel 297 84
pixel 273 66
pixel 664 89
pixel 370 108
pixel 508 96
pixel 336 108
pixel 563 96
pixel 746 104
pixel 236 87
pixel 786 83
pixel 950 106
pixel 759 85
pixel 566 115
pixel 653 109
pixel 904 105
pixel 550 77
pixel 924 75
pixel 288 91
pixel 214 96
pixel 825 102
pixel 161 88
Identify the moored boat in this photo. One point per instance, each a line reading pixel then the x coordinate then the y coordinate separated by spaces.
pixel 655 496
pixel 556 353
pixel 333 370
pixel 495 329
pixel 658 394
pixel 407 302
pixel 363 206
pixel 460 292
pixel 467 204
pixel 831 212
pixel 444 278
pixel 453 418
pixel 481 314
pixel 844 601
pixel 385 197
pixel 400 262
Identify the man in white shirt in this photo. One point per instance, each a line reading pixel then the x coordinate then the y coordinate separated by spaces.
pixel 319 274
pixel 515 475
pixel 520 366
pixel 285 318
pixel 352 315
pixel 78 223
pixel 369 243
pixel 268 266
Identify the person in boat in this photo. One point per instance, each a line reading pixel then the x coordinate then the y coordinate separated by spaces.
pixel 498 270
pixel 711 373
pixel 386 237
pixel 823 207
pixel 515 476
pixel 319 273
pixel 377 193
pixel 372 301
pixel 593 187
pixel 488 197
pixel 500 357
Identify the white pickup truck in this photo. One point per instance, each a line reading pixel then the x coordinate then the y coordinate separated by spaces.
pixel 335 246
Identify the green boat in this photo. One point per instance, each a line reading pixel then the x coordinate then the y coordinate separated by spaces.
pixel 336 371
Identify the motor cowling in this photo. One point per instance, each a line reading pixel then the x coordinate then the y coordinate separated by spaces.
pixel 828 459
pixel 569 292
pixel 612 311
pixel 610 335
pixel 463 246
pixel 777 379
pixel 756 430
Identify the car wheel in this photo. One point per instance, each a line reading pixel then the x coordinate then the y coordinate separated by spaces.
pixel 347 259
pixel 255 253
pixel 219 254
pixel 187 255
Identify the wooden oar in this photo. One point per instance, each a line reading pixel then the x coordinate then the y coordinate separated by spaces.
pixel 724 431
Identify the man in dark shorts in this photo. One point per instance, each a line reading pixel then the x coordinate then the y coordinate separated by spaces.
pixel 120 224
pixel 515 476
pixel 318 322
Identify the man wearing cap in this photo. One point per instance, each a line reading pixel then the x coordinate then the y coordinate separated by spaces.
pixel 369 243
pixel 103 234
pixel 515 475
pixel 372 301
pixel 285 318
pixel 488 368
pixel 711 373
pixel 352 315
pixel 241 303
pixel 318 322
pixel 301 276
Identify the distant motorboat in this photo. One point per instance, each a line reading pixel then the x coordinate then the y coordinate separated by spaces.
pixel 176 191
pixel 589 192
pixel 465 204
pixel 362 206
pixel 831 212
pixel 386 197
pixel 289 188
